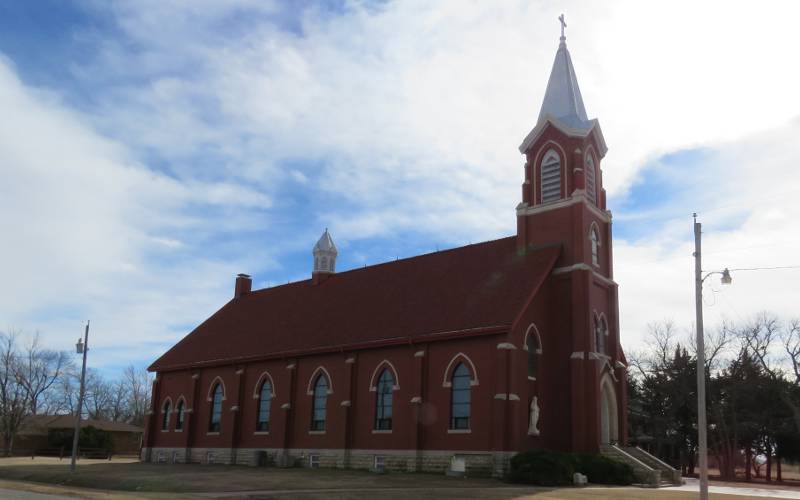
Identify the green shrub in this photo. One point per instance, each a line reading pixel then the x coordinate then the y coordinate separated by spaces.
pixel 90 438
pixel 550 468
pixel 545 468
pixel 603 470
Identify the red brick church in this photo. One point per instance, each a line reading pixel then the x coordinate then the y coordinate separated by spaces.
pixel 452 360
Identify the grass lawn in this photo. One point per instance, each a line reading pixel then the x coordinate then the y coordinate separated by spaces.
pixel 128 480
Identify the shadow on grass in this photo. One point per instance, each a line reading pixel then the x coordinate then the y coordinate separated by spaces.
pixel 193 478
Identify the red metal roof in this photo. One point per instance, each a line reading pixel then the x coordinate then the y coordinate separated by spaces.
pixel 468 289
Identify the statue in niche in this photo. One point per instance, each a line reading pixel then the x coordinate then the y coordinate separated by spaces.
pixel 533 419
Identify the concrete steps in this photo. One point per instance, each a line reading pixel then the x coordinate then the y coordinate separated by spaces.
pixel 648 470
pixel 669 475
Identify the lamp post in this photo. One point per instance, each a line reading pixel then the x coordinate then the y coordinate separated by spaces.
pixel 702 438
pixel 80 348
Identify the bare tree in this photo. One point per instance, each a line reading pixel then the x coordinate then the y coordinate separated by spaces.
pixel 13 404
pixel 138 382
pixel 791 345
pixel 759 337
pixel 37 369
pixel 98 395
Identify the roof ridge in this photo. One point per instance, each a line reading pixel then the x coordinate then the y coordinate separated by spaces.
pixel 388 262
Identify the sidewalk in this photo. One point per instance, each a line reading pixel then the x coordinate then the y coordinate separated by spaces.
pixel 693 484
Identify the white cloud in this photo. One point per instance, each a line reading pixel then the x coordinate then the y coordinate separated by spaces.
pixel 749 220
pixel 406 116
pixel 82 220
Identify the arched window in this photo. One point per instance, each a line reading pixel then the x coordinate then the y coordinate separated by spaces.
pixel 550 172
pixel 383 401
pixel 181 410
pixel 601 332
pixel 319 403
pixel 591 173
pixel 264 401
pixel 533 354
pixel 460 398
pixel 324 264
pixel 167 414
pixel 216 410
pixel 595 241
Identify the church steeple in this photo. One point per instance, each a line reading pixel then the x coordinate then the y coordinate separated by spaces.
pixel 563 168
pixel 562 105
pixel 563 100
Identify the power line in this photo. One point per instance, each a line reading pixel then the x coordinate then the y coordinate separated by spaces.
pixel 764 268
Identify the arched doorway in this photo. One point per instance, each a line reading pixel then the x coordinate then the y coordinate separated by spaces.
pixel 609 421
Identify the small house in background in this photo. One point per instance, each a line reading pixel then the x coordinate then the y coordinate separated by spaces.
pixel 37 434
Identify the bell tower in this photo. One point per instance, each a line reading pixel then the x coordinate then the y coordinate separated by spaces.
pixel 564 203
pixel 563 199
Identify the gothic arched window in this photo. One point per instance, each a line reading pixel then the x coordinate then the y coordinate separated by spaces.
pixel 600 332
pixel 595 242
pixel 591 173
pixel 319 403
pixel 533 354
pixel 383 401
pixel 181 410
pixel 550 175
pixel 216 410
pixel 264 401
pixel 460 398
pixel 167 413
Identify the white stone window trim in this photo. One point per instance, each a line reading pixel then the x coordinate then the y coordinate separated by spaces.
pixel 446 382
pixel 265 376
pixel 261 433
pixel 316 433
pixel 213 433
pixel 538 159
pixel 459 431
pixel 532 328
pixel 589 159
pixel 167 401
pixel 217 379
pixel 164 404
pixel 381 431
pixel 550 156
pixel 595 242
pixel 385 364
pixel 313 379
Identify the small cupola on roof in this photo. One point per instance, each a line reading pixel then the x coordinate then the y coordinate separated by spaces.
pixel 325 255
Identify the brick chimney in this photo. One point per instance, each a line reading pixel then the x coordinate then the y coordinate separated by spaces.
pixel 243 285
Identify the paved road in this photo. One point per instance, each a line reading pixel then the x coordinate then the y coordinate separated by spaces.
pixel 754 491
pixel 25 495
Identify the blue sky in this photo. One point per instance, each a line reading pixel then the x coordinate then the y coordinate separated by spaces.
pixel 160 147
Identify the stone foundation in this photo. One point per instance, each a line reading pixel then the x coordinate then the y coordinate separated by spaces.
pixel 473 463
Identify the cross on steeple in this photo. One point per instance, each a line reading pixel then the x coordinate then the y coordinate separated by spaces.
pixel 563 25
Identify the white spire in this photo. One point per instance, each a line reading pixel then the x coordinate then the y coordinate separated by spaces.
pixel 325 254
pixel 563 105
pixel 563 100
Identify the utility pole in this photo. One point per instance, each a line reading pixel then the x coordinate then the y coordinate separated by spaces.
pixel 702 438
pixel 81 348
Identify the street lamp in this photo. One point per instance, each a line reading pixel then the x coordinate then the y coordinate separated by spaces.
pixel 80 348
pixel 702 438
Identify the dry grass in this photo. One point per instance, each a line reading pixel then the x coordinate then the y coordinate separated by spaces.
pixel 129 480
